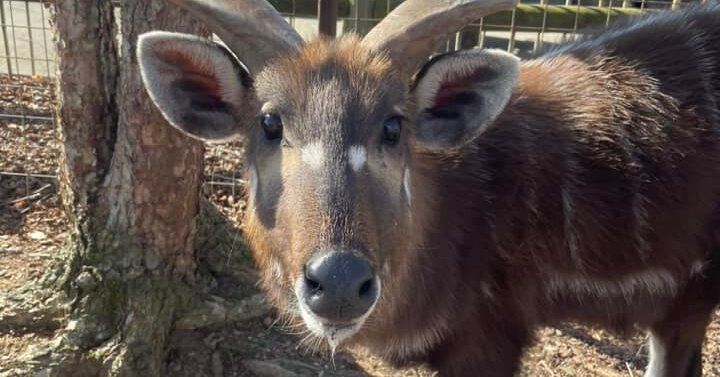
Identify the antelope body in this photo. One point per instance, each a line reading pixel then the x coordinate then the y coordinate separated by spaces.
pixel 438 210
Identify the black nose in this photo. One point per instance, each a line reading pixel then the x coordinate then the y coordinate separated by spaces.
pixel 339 286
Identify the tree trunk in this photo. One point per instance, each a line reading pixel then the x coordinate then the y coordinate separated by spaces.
pixel 130 185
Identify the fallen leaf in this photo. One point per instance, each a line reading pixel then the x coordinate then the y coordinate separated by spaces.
pixel 37 235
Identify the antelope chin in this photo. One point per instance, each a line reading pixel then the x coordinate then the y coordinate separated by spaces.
pixel 335 333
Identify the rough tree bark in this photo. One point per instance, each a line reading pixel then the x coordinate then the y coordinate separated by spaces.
pixel 130 185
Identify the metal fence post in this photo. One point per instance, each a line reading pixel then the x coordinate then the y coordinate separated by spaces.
pixel 5 37
pixel 327 17
pixel 511 39
pixel 30 37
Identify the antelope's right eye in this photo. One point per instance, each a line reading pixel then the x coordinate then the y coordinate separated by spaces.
pixel 391 130
pixel 272 126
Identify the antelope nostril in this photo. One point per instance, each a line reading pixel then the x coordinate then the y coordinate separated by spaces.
pixel 339 285
pixel 313 286
pixel 366 287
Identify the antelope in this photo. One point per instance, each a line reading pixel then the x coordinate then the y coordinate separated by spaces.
pixel 438 208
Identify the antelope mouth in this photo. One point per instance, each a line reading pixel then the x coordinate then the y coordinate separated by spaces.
pixel 333 332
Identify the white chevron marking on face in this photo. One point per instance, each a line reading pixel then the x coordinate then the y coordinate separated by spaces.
pixel 406 185
pixel 357 155
pixel 313 154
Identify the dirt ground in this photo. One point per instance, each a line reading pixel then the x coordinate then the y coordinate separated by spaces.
pixel 32 229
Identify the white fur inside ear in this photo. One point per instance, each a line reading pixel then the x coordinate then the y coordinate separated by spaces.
pixel 460 95
pixel 463 64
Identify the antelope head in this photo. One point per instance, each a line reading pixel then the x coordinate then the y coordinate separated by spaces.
pixel 332 130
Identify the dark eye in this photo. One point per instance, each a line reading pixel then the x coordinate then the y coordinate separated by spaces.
pixel 272 126
pixel 391 130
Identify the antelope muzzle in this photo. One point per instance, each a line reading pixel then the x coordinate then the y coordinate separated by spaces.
pixel 337 292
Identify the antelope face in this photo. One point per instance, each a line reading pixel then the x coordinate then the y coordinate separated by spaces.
pixel 332 130
pixel 329 205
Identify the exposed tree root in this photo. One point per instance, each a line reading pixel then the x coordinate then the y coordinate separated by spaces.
pixel 217 311
pixel 117 330
pixel 114 319
pixel 26 311
pixel 57 357
pixel 119 327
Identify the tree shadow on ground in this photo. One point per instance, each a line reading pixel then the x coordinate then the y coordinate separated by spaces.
pixel 627 351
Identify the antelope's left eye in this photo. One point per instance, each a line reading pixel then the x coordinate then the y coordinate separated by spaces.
pixel 272 126
pixel 391 130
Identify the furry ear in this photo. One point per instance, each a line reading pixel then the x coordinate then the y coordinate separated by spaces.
pixel 198 86
pixel 460 94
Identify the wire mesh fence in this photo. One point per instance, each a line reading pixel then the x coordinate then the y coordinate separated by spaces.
pixel 26 39
pixel 28 64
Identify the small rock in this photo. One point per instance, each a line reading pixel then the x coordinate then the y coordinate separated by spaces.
pixel 250 308
pixel 152 260
pixel 43 373
pixel 213 339
pixel 272 368
pixel 85 281
pixel 216 364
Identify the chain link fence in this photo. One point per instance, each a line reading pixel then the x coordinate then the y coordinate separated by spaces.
pixel 29 143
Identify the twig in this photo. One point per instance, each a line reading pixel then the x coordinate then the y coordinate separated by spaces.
pixel 35 203
pixel 214 311
pixel 547 368
pixel 232 179
pixel 34 195
pixel 630 372
pixel 31 175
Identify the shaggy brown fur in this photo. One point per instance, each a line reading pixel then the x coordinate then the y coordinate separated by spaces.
pixel 603 167
pixel 594 197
